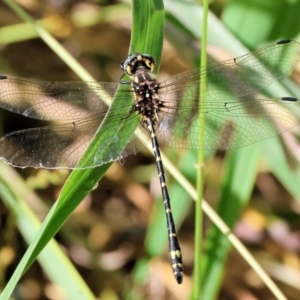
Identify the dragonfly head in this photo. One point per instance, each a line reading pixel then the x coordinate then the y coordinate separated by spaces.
pixel 136 62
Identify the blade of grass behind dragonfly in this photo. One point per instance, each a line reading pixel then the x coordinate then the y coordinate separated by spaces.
pixel 151 12
pixel 239 177
pixel 81 182
pixel 197 283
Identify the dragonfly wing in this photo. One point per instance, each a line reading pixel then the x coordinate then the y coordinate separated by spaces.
pixel 55 100
pixel 229 125
pixel 62 146
pixel 237 77
pixel 230 105
pixel 59 146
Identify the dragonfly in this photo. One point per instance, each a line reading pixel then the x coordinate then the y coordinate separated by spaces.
pixel 166 112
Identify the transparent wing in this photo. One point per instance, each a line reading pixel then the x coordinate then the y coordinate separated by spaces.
pixel 230 105
pixel 238 77
pixel 62 146
pixel 229 125
pixel 60 101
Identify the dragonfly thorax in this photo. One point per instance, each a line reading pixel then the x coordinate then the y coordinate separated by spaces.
pixel 145 89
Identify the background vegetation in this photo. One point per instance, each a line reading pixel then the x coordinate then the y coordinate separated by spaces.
pixel 116 237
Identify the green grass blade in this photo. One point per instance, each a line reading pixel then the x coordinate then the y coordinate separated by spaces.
pixel 147 37
pixel 197 283
pixel 275 155
pixel 53 260
pixel 148 28
pixel 236 191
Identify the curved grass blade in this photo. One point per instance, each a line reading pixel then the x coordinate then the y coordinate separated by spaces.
pixel 53 260
pixel 148 39
pixel 81 182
